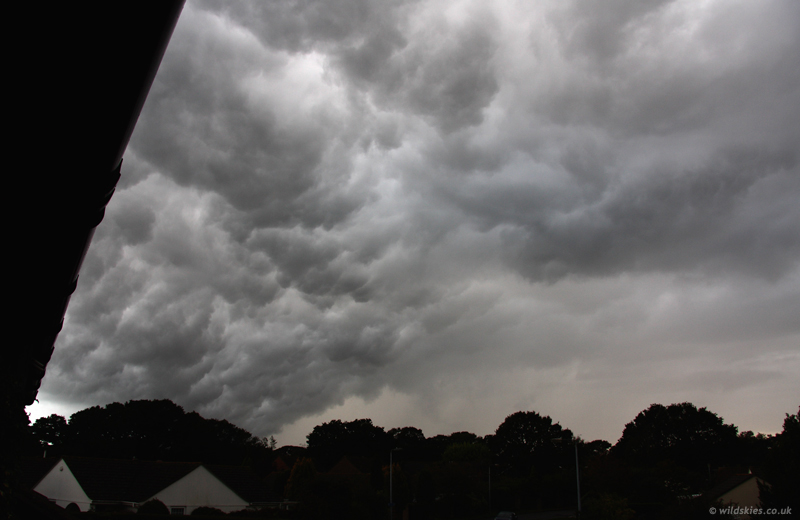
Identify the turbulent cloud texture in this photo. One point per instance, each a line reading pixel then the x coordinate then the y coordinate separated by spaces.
pixel 442 212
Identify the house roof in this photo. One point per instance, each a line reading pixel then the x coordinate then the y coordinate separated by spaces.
pixel 242 481
pixel 33 470
pixel 126 480
pixel 728 484
pixel 138 480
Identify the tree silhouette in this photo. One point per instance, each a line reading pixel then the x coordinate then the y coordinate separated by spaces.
pixel 51 433
pixel 329 442
pixel 434 447
pixel 669 452
pixel 152 430
pixel 525 439
pixel 468 452
pixel 782 471
pixel 153 507
pixel 301 481
pixel 752 449
pixel 409 439
pixel 680 433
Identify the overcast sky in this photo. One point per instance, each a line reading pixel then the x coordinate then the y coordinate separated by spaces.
pixel 438 213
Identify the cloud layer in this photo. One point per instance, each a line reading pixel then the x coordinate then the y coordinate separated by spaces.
pixel 456 211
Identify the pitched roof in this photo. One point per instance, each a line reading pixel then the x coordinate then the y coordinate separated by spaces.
pixel 138 480
pixel 242 481
pixel 728 484
pixel 32 470
pixel 125 480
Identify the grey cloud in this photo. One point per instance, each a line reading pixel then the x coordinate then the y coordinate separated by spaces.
pixel 366 60
pixel 442 71
pixel 671 221
pixel 744 311
pixel 728 380
pixel 135 223
pixel 635 68
pixel 303 26
pixel 293 371
pixel 601 30
pixel 460 153
pixel 651 162
pixel 202 130
pixel 448 78
pixel 190 312
pixel 305 261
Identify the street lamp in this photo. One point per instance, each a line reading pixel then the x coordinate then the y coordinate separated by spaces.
pixel 577 471
pixel 391 489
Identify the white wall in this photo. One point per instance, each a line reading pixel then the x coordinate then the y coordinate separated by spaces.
pixel 62 486
pixel 200 488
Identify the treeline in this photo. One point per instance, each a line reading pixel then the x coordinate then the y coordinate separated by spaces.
pixel 147 430
pixel 666 458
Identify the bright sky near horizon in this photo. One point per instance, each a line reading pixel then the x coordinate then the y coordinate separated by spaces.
pixel 438 213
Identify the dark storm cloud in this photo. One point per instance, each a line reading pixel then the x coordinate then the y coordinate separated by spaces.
pixel 681 156
pixel 309 25
pixel 444 73
pixel 206 129
pixel 714 218
pixel 441 70
pixel 325 200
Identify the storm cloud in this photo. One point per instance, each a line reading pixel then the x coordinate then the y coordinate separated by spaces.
pixel 439 213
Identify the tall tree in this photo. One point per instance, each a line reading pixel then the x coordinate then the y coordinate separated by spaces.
pixel 301 482
pixel 474 453
pixel 328 442
pixel 51 433
pixel 525 440
pixel 681 433
pixel 407 438
pixel 159 430
pixel 752 450
pixel 137 429
pixel 434 447
pixel 782 471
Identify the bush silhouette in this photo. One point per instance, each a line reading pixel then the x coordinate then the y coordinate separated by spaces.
pixel 153 507
pixel 207 511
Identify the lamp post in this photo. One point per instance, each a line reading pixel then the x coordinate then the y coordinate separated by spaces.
pixel 391 488
pixel 577 477
pixel 577 471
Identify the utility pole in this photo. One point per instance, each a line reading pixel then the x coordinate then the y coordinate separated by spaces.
pixel 391 487
pixel 578 478
pixel 577 470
